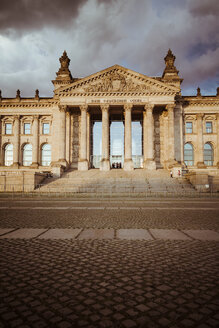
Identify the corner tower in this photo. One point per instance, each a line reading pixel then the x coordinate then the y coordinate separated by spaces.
pixel 170 74
pixel 64 76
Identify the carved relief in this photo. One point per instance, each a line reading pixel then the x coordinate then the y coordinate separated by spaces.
pixel 115 82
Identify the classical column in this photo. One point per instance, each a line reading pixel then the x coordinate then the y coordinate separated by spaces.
pixel 145 137
pixel 68 136
pixel 217 139
pixel 62 135
pixel 83 162
pixel 178 133
pixel 171 141
pixel 128 163
pixel 149 162
pixel 1 150
pixel 88 138
pixel 200 151
pixel 164 144
pixel 105 163
pixel 35 131
pixel 16 145
pixel 181 134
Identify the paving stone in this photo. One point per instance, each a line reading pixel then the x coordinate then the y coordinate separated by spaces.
pixel 5 230
pixel 60 234
pixel 203 234
pixel 142 308
pixel 133 234
pixel 97 234
pixel 129 323
pixel 24 233
pixel 168 234
pixel 139 283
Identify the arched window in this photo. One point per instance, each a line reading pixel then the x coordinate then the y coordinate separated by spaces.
pixel 208 154
pixel 46 155
pixel 188 154
pixel 27 155
pixel 8 154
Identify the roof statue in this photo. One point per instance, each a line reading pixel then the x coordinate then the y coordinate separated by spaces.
pixel 63 75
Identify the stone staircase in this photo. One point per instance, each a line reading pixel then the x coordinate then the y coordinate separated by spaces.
pixel 116 181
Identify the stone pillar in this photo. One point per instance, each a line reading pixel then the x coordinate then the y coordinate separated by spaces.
pixel 181 134
pixel 178 133
pixel 217 124
pixel 149 162
pixel 105 163
pixel 88 138
pixel 68 136
pixel 83 162
pixel 62 135
pixel 200 149
pixel 16 145
pixel 35 130
pixel 171 141
pixel 128 163
pixel 1 150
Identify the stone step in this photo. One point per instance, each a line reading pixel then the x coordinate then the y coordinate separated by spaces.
pixel 117 181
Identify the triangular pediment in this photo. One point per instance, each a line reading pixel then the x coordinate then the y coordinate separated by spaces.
pixel 116 80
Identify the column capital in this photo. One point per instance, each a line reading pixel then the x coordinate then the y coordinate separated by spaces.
pixel 83 108
pixel 170 107
pixel 16 117
pixel 148 107
pixel 128 107
pixel 63 108
pixel 199 116
pixel 104 107
pixel 36 117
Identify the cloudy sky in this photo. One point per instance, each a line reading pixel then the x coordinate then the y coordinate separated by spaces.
pixel 100 33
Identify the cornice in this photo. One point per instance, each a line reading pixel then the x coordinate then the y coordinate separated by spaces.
pixel 116 94
pixel 200 101
pixel 8 104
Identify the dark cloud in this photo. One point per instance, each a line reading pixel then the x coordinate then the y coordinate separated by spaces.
pixel 204 7
pixel 21 15
pixel 100 33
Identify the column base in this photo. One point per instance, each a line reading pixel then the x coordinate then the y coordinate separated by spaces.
pixel 201 165
pixel 83 165
pixel 171 163
pixel 128 165
pixel 63 162
pixel 34 165
pixel 149 164
pixel 57 169
pixel 104 165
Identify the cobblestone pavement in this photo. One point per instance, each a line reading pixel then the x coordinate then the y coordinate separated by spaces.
pixel 109 283
pixel 157 214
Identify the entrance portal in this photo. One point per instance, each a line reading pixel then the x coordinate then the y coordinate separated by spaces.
pixel 116 144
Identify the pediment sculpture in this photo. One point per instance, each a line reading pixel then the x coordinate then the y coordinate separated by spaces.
pixel 116 82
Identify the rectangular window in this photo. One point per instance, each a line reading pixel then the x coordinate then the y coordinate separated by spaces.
pixel 27 128
pixel 45 128
pixel 208 127
pixel 188 127
pixel 8 128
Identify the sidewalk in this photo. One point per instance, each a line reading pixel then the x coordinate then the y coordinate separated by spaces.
pixel 121 234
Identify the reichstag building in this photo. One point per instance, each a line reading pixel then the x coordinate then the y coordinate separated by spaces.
pixel 115 118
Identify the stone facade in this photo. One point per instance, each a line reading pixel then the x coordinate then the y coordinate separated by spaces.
pixel 53 134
